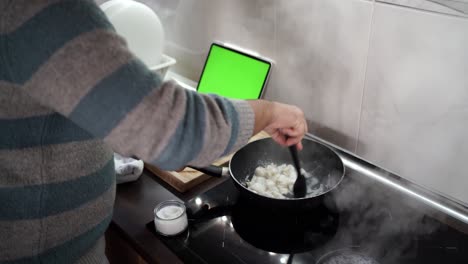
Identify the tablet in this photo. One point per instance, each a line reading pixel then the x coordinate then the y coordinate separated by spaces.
pixel 233 73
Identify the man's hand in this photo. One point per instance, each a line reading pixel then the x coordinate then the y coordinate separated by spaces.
pixel 285 123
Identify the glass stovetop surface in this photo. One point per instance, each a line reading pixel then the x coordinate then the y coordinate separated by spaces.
pixel 359 223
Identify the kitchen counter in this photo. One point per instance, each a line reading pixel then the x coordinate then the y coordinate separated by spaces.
pixel 133 209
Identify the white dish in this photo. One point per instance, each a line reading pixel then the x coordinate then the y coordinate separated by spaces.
pixel 140 26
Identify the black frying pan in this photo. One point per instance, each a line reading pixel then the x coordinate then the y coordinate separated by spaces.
pixel 317 159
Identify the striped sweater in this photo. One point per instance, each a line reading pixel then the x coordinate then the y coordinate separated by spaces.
pixel 71 93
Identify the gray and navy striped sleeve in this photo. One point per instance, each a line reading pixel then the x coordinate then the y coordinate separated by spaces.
pixel 67 56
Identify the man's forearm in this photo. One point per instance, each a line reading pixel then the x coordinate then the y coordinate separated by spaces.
pixel 263 114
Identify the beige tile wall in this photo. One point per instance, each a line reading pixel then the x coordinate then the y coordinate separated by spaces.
pixel 415 108
pixel 321 49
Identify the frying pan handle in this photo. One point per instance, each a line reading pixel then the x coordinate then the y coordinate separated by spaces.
pixel 212 170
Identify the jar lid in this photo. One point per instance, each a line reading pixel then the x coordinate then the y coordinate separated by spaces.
pixel 169 210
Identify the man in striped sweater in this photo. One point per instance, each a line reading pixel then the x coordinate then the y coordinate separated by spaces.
pixel 71 93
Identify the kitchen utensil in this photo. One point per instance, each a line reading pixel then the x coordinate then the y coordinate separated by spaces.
pixel 324 164
pixel 300 186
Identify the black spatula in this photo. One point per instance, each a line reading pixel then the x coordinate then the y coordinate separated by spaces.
pixel 300 186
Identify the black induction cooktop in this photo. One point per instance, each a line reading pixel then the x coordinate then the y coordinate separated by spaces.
pixel 361 223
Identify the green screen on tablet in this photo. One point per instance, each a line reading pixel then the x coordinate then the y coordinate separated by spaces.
pixel 233 74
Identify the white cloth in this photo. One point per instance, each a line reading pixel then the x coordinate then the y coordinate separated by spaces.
pixel 127 169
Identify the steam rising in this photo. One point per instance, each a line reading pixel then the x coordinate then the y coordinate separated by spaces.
pixel 382 221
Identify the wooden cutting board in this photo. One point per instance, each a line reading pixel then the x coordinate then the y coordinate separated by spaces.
pixel 189 178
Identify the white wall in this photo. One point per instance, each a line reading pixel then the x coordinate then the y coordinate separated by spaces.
pixel 415 108
pixel 386 82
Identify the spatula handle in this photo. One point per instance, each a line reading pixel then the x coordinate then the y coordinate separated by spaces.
pixel 295 157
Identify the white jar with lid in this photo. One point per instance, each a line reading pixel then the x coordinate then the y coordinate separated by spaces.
pixel 170 218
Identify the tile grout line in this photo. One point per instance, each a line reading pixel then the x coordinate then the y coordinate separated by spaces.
pixel 364 88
